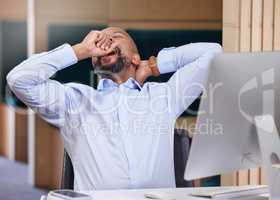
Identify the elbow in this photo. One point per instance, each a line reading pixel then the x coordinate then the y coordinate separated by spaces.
pixel 217 48
pixel 14 79
pixel 17 83
pixel 10 79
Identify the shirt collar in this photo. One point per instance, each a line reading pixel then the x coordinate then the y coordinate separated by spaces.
pixel 106 83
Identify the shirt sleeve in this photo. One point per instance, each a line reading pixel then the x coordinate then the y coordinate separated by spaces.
pixel 31 83
pixel 191 64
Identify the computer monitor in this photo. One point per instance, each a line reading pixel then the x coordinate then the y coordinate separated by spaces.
pixel 240 86
pixel 269 141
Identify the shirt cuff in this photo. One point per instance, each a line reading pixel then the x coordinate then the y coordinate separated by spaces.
pixel 66 55
pixel 165 60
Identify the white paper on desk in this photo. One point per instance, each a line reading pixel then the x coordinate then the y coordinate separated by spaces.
pixel 130 195
pixel 113 195
pixel 159 195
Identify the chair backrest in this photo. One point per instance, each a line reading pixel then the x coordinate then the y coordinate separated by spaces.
pixel 182 143
pixel 181 151
pixel 67 181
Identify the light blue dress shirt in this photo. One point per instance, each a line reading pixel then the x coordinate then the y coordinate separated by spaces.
pixel 118 136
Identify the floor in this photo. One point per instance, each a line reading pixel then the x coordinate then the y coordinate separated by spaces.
pixel 14 184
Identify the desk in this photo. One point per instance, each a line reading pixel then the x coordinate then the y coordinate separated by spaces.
pixel 177 193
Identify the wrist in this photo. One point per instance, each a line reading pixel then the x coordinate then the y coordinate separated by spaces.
pixel 149 70
pixel 153 66
pixel 80 52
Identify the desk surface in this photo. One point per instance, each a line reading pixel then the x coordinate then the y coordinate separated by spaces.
pixel 174 193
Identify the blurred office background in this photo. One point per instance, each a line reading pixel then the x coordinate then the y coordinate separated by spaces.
pixel 31 151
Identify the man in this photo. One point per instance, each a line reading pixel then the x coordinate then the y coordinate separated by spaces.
pixel 120 135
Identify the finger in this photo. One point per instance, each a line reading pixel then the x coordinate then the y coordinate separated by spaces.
pixel 109 43
pixel 101 42
pixel 94 35
pixel 101 38
pixel 106 44
pixel 91 38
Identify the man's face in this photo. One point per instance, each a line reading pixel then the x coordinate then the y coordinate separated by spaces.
pixel 120 58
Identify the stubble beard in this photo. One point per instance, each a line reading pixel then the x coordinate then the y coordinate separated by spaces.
pixel 108 70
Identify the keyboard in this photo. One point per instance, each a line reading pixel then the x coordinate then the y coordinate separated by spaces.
pixel 231 192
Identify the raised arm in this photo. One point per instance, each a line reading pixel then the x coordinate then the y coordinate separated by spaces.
pixel 31 83
pixel 191 63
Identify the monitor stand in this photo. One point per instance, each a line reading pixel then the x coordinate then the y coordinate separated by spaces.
pixel 269 141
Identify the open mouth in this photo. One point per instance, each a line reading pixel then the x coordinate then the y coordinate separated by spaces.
pixel 113 62
pixel 110 57
pixel 116 51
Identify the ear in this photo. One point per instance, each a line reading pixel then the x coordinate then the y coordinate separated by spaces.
pixel 136 59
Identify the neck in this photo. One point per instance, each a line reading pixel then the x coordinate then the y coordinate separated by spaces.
pixel 122 76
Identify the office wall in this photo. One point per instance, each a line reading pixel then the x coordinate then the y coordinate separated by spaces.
pixel 3 131
pixel 13 10
pixel 250 25
pixel 163 14
pixel 12 51
pixel 87 12
pixel 13 45
pixel 145 14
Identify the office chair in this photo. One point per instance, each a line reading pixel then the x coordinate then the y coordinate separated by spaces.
pixel 67 180
pixel 182 143
pixel 181 150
